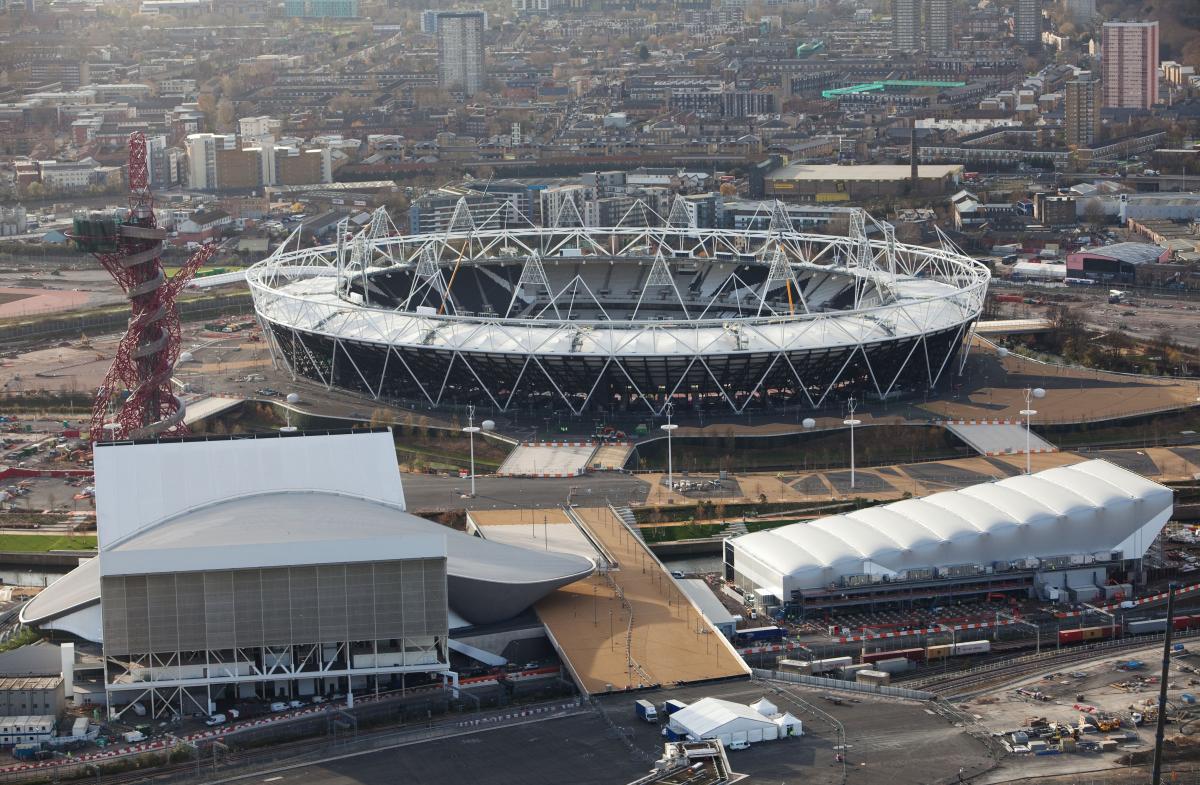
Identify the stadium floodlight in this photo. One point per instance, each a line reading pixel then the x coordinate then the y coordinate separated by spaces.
pixel 471 430
pixel 851 422
pixel 1031 394
pixel 669 426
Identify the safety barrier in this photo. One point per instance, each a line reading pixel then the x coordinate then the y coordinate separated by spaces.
pixel 1160 597
pixel 516 715
pixel 839 684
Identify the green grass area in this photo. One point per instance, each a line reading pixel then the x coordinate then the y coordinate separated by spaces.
pixel 26 637
pixel 1139 431
pixel 876 445
pixel 42 543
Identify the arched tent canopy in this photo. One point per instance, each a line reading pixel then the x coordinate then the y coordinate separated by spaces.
pixel 1093 507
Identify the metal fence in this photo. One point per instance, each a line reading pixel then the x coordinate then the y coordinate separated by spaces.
pixel 222 761
pixel 840 684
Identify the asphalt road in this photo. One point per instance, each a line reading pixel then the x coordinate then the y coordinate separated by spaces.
pixel 577 750
pixel 428 492
pixel 889 743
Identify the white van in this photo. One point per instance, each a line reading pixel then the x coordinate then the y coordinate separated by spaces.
pixel 279 706
pixel 739 744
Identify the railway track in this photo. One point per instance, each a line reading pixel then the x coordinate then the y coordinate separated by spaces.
pixel 966 684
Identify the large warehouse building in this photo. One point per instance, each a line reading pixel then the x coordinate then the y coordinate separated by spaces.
pixel 276 567
pixel 1061 532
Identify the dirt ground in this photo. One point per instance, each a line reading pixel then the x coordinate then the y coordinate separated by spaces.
pixel 1099 682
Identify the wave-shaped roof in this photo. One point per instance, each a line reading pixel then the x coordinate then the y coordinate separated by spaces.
pixel 1090 507
pixel 270 502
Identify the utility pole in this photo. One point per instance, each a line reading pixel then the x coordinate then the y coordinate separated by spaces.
pixel 1156 777
pixel 1036 628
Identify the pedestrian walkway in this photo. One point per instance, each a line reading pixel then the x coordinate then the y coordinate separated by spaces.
pixel 612 457
pixel 998 437
pixel 547 459
pixel 633 627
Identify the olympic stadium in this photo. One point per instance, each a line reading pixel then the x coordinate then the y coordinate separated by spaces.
pixel 624 318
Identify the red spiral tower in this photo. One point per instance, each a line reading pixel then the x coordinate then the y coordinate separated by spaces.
pixel 130 249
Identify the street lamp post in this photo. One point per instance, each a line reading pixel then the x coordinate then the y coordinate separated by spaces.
pixel 1031 393
pixel 668 427
pixel 471 430
pixel 851 422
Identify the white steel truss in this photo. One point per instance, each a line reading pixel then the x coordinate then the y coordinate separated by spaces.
pixel 742 344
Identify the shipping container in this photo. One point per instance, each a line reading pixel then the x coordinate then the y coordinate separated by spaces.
pixel 873 677
pixel 972 647
pixel 894 665
pixel 1087 634
pixel 847 671
pixel 1147 626
pixel 830 664
pixel 795 666
pixel 934 653
pixel 916 655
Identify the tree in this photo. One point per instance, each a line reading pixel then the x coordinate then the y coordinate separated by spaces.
pixel 643 52
pixel 225 117
pixel 1093 213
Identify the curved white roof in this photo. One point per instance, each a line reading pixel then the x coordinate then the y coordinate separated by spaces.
pixel 1091 507
pixel 238 503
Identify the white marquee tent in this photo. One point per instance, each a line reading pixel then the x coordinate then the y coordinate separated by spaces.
pixel 713 718
pixel 1093 507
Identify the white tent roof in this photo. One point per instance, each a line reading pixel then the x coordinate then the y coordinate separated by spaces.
pixel 765 707
pixel 1088 508
pixel 708 715
pixel 788 720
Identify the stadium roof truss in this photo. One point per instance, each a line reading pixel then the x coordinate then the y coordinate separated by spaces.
pixel 898 292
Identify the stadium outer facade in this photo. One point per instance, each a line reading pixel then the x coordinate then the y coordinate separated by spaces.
pixel 621 318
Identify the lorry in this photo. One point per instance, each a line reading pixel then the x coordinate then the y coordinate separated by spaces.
pixel 760 635
pixel 671 706
pixel 645 710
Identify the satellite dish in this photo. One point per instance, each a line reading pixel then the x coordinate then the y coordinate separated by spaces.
pixel 1038 392
pixel 293 398
pixel 1002 352
pixel 488 425
pixel 809 422
pixel 186 357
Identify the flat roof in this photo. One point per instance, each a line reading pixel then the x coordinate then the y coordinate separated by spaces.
pixel 1130 253
pixel 31 683
pixel 709 604
pixel 132 479
pixel 865 172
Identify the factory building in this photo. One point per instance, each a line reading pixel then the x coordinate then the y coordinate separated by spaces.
pixel 833 183
pixel 1063 532
pixel 1116 263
